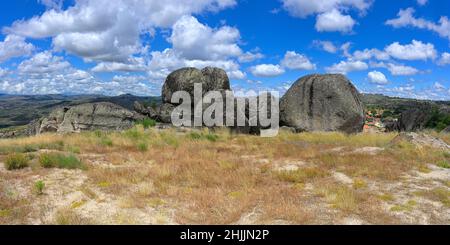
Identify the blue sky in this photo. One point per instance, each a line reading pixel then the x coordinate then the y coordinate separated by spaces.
pixel 397 48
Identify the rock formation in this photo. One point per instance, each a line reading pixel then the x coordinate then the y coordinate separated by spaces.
pixel 322 103
pixel 90 116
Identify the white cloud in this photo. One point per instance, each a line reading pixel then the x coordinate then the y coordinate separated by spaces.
pixel 294 61
pixel 422 2
pixel 329 13
pixel 401 70
pixel 250 57
pixel 439 87
pixel 345 67
pixel 406 18
pixel 266 70
pixel 133 64
pixel 377 77
pixel 3 72
pixel 326 45
pixel 334 21
pixel 368 54
pixel 52 4
pixel 109 31
pixel 14 46
pixel 197 41
pixel 414 51
pixel 304 8
pixel 445 59
pixel 43 63
pixel 163 63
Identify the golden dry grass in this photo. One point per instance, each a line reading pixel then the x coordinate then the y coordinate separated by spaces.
pixel 219 178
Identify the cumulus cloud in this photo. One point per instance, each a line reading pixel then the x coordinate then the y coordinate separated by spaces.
pixel 197 41
pixel 3 72
pixel 345 67
pixel 326 46
pixel 368 54
pixel 266 70
pixel 406 18
pixel 295 61
pixel 14 46
pixel 330 15
pixel 377 77
pixel 250 57
pixel 109 34
pixel 43 63
pixel 132 65
pixel 46 73
pixel 334 21
pixel 445 59
pixel 422 2
pixel 414 51
pixel 401 70
pixel 162 63
pixel 52 4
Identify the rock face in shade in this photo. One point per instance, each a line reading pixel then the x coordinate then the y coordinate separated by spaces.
pixel 86 117
pixel 322 103
pixel 414 119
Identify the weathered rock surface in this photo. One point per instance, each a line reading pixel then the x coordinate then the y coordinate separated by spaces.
pixel 421 140
pixel 322 103
pixel 212 79
pixel 414 119
pixel 84 117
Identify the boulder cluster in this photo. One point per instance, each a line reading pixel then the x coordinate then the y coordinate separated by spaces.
pixel 313 103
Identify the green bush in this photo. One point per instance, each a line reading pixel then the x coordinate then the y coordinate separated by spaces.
pixel 58 160
pixel 16 161
pixel 203 136
pixel 147 123
pixel 438 120
pixel 39 187
pixel 105 141
pixel 142 147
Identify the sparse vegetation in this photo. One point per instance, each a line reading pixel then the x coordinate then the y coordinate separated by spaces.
pixel 58 160
pixel 147 123
pixel 16 161
pixel 39 187
pixel 213 177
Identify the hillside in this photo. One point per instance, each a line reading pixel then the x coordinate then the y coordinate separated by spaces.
pixel 17 110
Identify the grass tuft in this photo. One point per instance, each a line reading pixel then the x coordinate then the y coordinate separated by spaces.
pixel 58 160
pixel 16 161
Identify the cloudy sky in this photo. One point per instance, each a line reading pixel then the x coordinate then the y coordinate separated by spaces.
pixel 398 48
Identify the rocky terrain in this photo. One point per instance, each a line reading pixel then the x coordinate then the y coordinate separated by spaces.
pixel 104 163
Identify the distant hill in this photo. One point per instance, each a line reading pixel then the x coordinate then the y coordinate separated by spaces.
pixel 16 110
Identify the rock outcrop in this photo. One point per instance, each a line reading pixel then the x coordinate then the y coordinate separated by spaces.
pixel 322 103
pixel 414 119
pixel 85 117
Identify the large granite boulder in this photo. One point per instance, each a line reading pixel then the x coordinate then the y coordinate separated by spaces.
pixel 322 103
pixel 86 117
pixel 212 79
pixel 414 119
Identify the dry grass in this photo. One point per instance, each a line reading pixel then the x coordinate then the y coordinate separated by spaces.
pixel 219 178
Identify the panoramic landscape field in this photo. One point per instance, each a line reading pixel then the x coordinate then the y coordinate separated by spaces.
pixel 200 177
pixel 224 112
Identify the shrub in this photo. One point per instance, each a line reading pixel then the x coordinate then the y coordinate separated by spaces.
pixel 39 187
pixel 142 147
pixel 16 161
pixel 202 136
pixel 105 141
pixel 443 164
pixel 57 160
pixel 147 123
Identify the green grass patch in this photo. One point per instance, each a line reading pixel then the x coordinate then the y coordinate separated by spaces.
pixel 147 123
pixel 16 161
pixel 58 160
